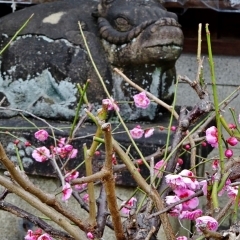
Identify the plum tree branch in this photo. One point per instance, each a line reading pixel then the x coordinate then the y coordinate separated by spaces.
pixel 48 211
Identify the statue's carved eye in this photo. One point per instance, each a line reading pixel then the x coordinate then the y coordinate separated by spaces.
pixel 122 24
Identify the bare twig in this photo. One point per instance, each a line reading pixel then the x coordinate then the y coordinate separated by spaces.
pixel 4 193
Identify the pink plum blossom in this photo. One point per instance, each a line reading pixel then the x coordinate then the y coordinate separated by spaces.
pixel 176 210
pixel 181 238
pixel 66 151
pixel 137 132
pixel 148 132
pixel 232 192
pixel 61 142
pixel 80 187
pixel 191 215
pixel 41 154
pixel 232 126
pixel 203 183
pixel 141 100
pixel 157 167
pixel 86 198
pixel 232 141
pixel 189 179
pixel 41 135
pixel 45 236
pixel 70 151
pixel 206 221
pixel 225 187
pixel 212 136
pixel 128 205
pixel 215 165
pixel 30 235
pixel 175 181
pixel 73 153
pixel 67 148
pixel 70 177
pixel 228 153
pixel 90 235
pixel 111 104
pixel 37 235
pixel 184 193
pixel 67 192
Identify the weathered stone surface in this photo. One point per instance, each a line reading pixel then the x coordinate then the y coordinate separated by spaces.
pixel 40 69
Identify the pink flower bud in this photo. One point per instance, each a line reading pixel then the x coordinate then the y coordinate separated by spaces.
pixel 187 147
pixel 173 128
pixel 90 235
pixel 232 126
pixel 67 192
pixel 232 141
pixel 27 144
pixel 139 161
pixel 180 161
pixel 215 165
pixel 228 153
pixel 97 153
pixel 16 142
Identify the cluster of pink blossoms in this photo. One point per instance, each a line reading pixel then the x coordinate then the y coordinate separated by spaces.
pixel 185 185
pixel 63 150
pixel 37 235
pixel 138 132
pixel 212 139
pixel 141 101
pixel 67 189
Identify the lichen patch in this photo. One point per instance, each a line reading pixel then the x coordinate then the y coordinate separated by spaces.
pixel 54 18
